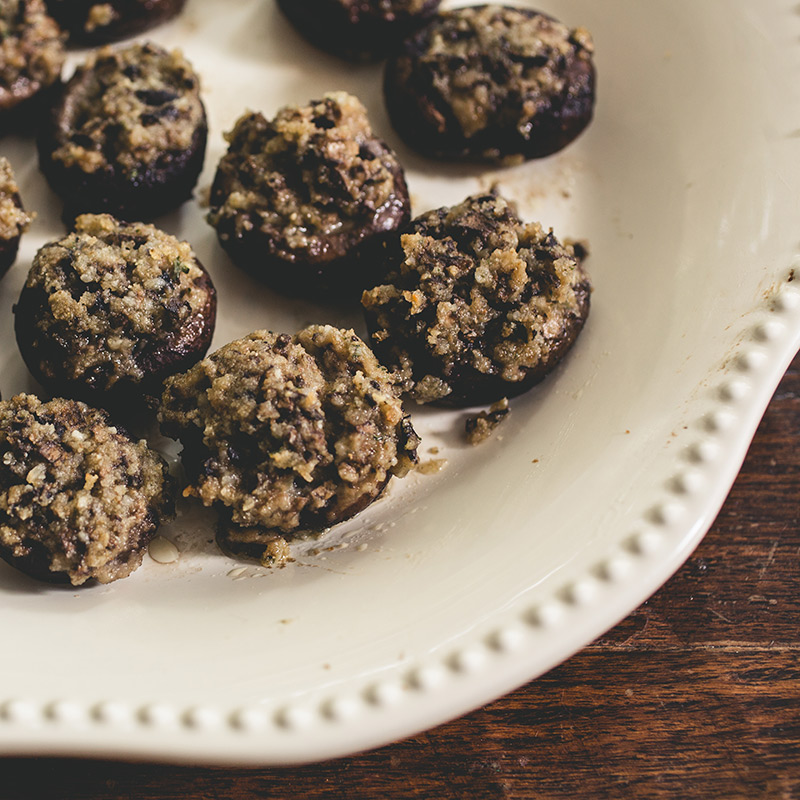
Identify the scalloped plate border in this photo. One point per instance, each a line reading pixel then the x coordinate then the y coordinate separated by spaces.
pixel 657 545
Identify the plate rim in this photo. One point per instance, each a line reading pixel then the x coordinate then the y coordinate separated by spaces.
pixel 659 545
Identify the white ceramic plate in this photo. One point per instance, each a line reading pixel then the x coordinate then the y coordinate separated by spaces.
pixel 459 586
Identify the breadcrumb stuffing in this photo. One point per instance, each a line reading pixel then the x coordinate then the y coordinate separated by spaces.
pixel 13 219
pixel 31 49
pixel 288 434
pixel 478 293
pixel 312 172
pixel 78 498
pixel 129 109
pixel 116 291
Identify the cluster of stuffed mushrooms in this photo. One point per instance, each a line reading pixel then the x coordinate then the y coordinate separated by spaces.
pixel 282 434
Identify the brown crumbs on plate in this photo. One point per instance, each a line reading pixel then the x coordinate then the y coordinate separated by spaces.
pixel 482 425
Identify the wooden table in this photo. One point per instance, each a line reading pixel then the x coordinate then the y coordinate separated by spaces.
pixel 695 695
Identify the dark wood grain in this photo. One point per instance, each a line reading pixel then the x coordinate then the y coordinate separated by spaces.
pixel 695 695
